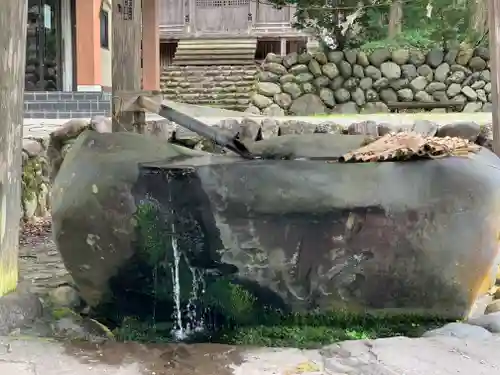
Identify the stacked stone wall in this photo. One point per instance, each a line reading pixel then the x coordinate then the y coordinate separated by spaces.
pixel 357 82
pixel 229 87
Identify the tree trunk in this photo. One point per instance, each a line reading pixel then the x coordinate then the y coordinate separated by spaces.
pixel 479 17
pixel 395 17
pixel 13 24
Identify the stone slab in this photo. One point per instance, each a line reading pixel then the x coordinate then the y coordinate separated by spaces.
pixel 393 356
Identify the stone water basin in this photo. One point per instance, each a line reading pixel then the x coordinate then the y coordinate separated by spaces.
pixel 150 227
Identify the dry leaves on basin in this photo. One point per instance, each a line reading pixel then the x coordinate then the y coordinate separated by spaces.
pixel 409 146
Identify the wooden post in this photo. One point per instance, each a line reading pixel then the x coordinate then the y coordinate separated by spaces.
pixel 126 59
pixel 494 12
pixel 13 16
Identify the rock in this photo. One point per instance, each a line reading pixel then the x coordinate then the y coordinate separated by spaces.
pixel 371 95
pixel 435 86
pixel 381 83
pixel 418 84
pixel 460 98
pixel 308 88
pixel 321 81
pixel 18 310
pixel 485 76
pixel 374 107
pixel 440 96
pixel 466 130
pixel 378 56
pixel 358 71
pixel 320 57
pixel 388 95
pixel 307 104
pixel 293 89
pixel 422 96
pixel 477 64
pixel 346 108
pixel 249 130
pixel 398 84
pixel 304 77
pixel 453 89
pixel 351 83
pixel 290 59
pixel 478 85
pixel 456 77
pixel 473 107
pixel 359 97
pixel 337 83
pixel 329 128
pixel 268 88
pixel 265 76
pixel 435 57
pixel 335 56
pixel 469 93
pixel 284 100
pixel 287 78
pixel 64 296
pixel 424 127
pixel 490 322
pixel 330 70
pixel 300 68
pixel 342 95
pixel 461 331
pixel 273 110
pixel 32 147
pixel 482 52
pixel 417 58
pixel 314 68
pixel 464 55
pixel 426 71
pixel 451 56
pixel 304 58
pixel 362 59
pixel 253 109
pixel 405 95
pixel 367 83
pixel 442 72
pixel 487 87
pixel 372 72
pixel 365 128
pixel 345 69
pixel 274 68
pixel 390 70
pixel 69 130
pixel 273 58
pixel 261 101
pixel 327 96
pixel 351 56
pixel 493 307
pixel 409 71
pixel 400 56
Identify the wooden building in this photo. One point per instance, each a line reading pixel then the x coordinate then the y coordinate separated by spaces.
pixel 209 48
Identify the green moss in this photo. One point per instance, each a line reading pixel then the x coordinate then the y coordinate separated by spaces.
pixel 32 178
pixel 63 312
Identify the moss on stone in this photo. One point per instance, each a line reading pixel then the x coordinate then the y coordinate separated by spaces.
pixel 8 279
pixel 32 178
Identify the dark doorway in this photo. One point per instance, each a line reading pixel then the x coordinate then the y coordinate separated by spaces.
pixel 43 46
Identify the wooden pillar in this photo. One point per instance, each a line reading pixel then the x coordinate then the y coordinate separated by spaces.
pixel 13 23
pixel 494 13
pixel 283 50
pixel 151 47
pixel 126 58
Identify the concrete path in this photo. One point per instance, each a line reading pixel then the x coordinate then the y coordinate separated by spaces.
pixel 394 356
pixel 42 128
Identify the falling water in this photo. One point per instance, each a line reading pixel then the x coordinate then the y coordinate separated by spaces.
pixel 178 332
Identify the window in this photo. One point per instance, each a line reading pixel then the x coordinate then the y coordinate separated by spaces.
pixel 104 18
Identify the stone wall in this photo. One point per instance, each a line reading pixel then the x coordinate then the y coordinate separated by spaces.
pixel 229 87
pixel 354 81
